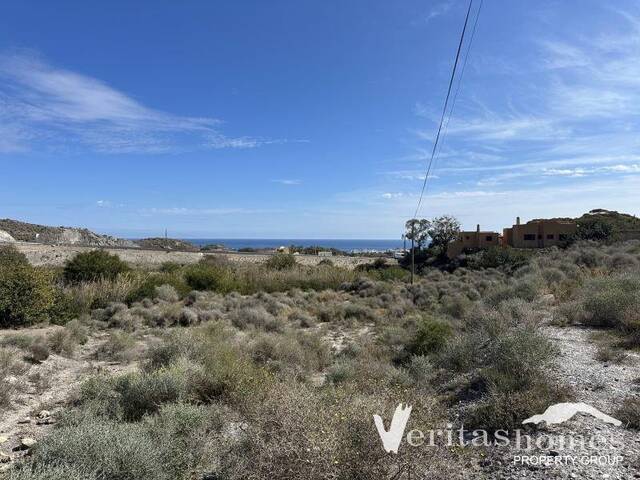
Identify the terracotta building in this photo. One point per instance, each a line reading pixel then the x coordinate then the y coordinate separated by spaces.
pixel 472 241
pixel 538 233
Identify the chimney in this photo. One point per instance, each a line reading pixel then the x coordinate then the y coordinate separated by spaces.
pixel 478 228
pixel 517 220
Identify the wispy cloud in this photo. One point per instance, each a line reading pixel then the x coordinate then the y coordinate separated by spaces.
pixel 438 10
pixel 287 181
pixel 39 102
pixel 185 211
pixel 576 114
pixel 390 195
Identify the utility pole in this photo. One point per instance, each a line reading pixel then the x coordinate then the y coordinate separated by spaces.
pixel 413 250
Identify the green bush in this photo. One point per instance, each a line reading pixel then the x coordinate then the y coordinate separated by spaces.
pixel 148 287
pixel 505 410
pixel 65 307
pixel 431 336
pixel 205 276
pixel 26 293
pixel 499 257
pixel 281 261
pixel 612 301
pixel 170 267
pixel 118 451
pixel 92 266
pixel 142 394
pixel 11 255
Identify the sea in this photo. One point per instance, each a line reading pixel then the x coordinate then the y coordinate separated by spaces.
pixel 351 245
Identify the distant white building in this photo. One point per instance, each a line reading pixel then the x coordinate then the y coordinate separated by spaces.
pixel 325 254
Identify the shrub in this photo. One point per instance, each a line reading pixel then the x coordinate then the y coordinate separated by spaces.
pixel 499 257
pixel 629 412
pixel 62 342
pixel 148 288
pixel 38 351
pixel 167 293
pixel 10 255
pixel 170 267
pixel 94 265
pixel 29 471
pixel 256 317
pixel 505 410
pixel 26 293
pixel 90 295
pixel 204 276
pixel 431 336
pixel 119 451
pixel 281 261
pixel 609 354
pixel 65 307
pixel 145 393
pixel 78 331
pixel 117 347
pixel 612 301
pixel 10 366
pixel 456 306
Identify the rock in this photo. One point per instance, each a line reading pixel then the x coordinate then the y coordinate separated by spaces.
pixel 3 439
pixel 44 414
pixel 25 444
pixel 24 420
pixel 4 458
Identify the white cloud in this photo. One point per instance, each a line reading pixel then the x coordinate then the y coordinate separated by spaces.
pixel 287 181
pixel 184 211
pixel 41 103
pixel 390 195
pixel 438 10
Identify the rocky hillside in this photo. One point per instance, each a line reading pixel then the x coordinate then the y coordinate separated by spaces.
pixel 158 243
pixel 14 230
pixel 618 221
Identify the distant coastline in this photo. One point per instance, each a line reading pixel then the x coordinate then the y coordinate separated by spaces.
pixel 347 245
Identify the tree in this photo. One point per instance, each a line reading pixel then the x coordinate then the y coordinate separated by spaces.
pixel 443 230
pixel 92 266
pixel 416 230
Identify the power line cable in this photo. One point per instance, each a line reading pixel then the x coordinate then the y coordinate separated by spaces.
pixel 444 110
pixel 460 77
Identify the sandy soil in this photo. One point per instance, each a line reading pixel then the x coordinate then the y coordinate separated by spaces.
pixel 601 385
pixel 45 390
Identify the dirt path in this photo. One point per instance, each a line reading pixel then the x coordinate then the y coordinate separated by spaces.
pixel 44 390
pixel 601 385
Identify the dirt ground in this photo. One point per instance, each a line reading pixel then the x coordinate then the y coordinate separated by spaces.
pixel 56 255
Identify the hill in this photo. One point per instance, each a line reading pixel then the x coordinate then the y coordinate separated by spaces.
pixel 618 221
pixel 158 243
pixel 31 232
pixel 601 224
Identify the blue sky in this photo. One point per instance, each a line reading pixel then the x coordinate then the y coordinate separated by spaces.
pixel 313 119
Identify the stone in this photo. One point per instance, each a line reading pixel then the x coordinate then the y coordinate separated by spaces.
pixel 4 458
pixel 44 414
pixel 25 444
pixel 3 439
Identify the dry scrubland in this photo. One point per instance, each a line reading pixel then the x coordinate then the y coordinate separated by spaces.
pixel 220 370
pixel 42 254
